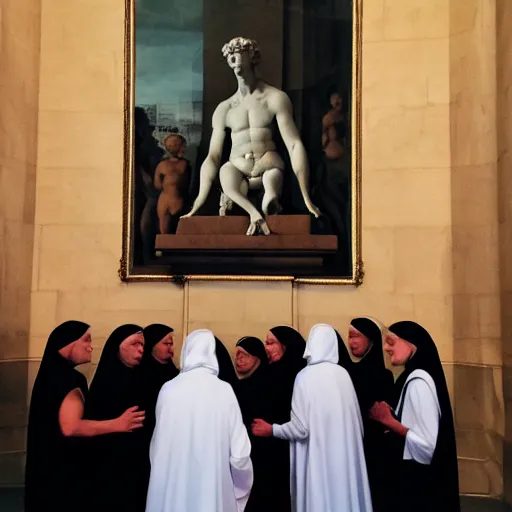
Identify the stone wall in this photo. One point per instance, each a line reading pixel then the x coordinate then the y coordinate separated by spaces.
pixel 504 109
pixel 19 80
pixel 476 303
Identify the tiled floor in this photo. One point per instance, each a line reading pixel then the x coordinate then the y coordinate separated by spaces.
pixel 11 501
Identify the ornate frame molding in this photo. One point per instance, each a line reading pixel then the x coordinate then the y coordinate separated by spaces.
pixel 125 273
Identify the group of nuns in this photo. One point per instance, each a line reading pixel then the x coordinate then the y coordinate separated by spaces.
pixel 291 426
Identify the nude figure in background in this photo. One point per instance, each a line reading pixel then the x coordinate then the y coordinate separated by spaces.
pixel 171 178
pixel 254 162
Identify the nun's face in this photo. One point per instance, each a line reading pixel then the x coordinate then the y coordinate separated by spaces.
pixel 358 343
pixel 163 351
pixel 131 350
pixel 399 350
pixel 81 350
pixel 275 349
pixel 244 362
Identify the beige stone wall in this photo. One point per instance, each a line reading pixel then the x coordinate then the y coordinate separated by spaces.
pixel 504 105
pixel 429 219
pixel 476 302
pixel 19 78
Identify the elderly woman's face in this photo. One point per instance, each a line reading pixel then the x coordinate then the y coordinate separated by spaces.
pixel 275 349
pixel 131 350
pixel 244 362
pixel 358 343
pixel 399 350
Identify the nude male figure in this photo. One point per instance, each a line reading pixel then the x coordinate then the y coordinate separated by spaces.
pixel 171 177
pixel 254 161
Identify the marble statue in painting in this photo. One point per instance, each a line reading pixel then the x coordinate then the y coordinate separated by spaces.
pixel 254 162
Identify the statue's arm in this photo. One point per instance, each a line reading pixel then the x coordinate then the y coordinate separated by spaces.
pixel 295 147
pixel 211 164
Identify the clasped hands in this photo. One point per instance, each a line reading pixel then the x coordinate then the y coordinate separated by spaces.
pixel 261 428
pixel 381 412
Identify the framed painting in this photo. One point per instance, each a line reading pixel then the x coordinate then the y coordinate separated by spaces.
pixel 242 141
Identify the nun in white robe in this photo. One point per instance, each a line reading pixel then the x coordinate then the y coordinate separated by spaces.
pixel 328 468
pixel 200 450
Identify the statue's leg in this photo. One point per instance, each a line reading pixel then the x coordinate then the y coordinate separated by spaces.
pixel 162 211
pixel 273 185
pixel 231 182
pixel 225 203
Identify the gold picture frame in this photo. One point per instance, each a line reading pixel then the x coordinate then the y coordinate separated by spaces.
pixel 125 271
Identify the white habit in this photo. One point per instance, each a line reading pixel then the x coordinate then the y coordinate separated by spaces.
pixel 328 467
pixel 420 412
pixel 200 450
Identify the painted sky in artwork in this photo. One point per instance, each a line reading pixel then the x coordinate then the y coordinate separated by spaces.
pixel 169 51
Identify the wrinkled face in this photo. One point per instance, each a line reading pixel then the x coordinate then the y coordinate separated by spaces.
pixel 399 350
pixel 131 350
pixel 245 362
pixel 275 349
pixel 81 349
pixel 239 62
pixel 358 343
pixel 336 102
pixel 163 351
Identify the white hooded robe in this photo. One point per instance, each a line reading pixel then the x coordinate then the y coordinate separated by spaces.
pixel 328 467
pixel 200 450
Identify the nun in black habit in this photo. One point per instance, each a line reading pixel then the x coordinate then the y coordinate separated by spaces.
pixel 285 349
pixel 254 396
pixel 53 470
pixel 156 368
pixel 119 459
pixel 374 384
pixel 422 424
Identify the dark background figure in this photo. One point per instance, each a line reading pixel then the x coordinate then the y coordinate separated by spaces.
pixel 147 155
pixel 172 179
pixel 54 472
pixel 255 398
pixel 118 459
pixel 156 368
pixel 227 371
pixel 285 350
pixel 375 383
pixel 423 487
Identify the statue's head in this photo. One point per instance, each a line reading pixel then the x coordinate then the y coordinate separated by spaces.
pixel 336 101
pixel 176 144
pixel 242 55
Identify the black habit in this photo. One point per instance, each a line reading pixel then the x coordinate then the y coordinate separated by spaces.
pixel 153 375
pixel 227 371
pixel 375 384
pixel 255 398
pixel 282 375
pixel 54 468
pixel 118 459
pixel 434 486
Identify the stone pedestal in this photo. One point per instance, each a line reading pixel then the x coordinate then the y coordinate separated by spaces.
pixel 289 233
